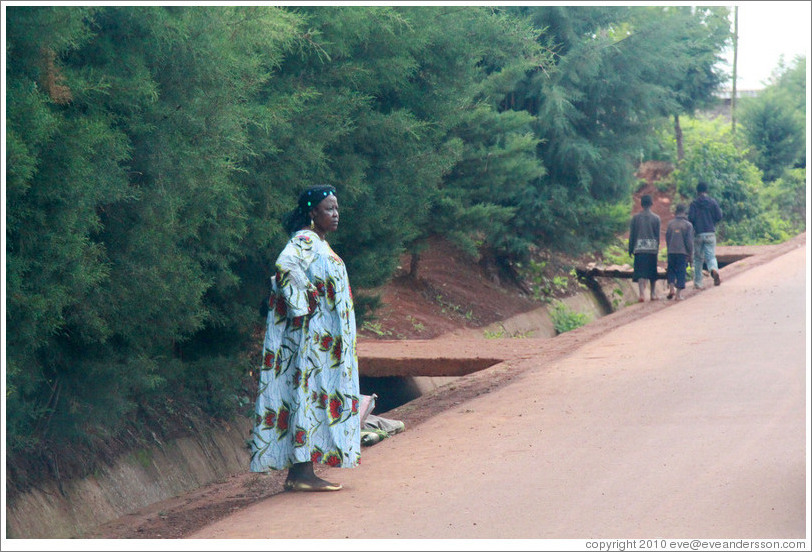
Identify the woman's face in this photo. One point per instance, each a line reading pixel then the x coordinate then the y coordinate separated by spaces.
pixel 325 215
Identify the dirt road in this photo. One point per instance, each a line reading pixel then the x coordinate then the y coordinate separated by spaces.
pixel 687 423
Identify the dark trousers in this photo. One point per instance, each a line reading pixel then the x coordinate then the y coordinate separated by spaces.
pixel 677 269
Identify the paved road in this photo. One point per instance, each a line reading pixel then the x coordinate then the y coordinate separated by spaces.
pixel 687 423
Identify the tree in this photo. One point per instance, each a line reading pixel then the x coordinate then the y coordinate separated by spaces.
pixel 477 201
pixel 64 167
pixel 358 115
pixel 774 122
pixel 703 32
pixel 592 113
pixel 387 99
pixel 127 131
pixel 618 71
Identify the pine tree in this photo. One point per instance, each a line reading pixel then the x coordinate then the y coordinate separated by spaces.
pixel 126 210
pixel 614 76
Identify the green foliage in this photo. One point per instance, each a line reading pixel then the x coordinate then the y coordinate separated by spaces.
pixel 365 307
pixel 660 144
pixel 617 297
pixel 754 212
pixel 733 181
pixel 375 327
pixel 494 334
pixel 785 199
pixel 775 122
pixel 616 253
pixel 781 214
pixel 698 36
pixel 498 164
pixel 544 285
pixel 126 214
pixel 392 90
pixel 595 109
pixel 418 326
pixel 565 318
pixel 214 383
pixel 478 56
pixel 153 150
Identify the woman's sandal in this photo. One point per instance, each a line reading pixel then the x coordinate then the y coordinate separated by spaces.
pixel 304 486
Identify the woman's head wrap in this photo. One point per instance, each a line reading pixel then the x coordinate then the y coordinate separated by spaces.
pixel 308 199
pixel 312 196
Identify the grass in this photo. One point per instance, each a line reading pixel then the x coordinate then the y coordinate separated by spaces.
pixel 418 326
pixel 375 327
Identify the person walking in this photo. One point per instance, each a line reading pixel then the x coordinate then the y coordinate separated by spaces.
pixel 704 213
pixel 307 407
pixel 679 242
pixel 644 245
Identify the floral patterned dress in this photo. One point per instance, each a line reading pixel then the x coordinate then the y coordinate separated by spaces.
pixel 308 397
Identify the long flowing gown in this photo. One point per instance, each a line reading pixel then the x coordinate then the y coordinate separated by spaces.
pixel 308 398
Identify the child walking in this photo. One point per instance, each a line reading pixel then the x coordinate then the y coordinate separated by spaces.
pixel 679 241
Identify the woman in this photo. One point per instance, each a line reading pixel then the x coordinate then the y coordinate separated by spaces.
pixel 307 405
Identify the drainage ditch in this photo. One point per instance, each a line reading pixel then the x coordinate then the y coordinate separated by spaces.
pixel 398 381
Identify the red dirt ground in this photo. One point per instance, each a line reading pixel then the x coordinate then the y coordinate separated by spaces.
pixel 452 293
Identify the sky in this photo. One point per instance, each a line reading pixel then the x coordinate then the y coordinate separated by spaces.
pixel 767 30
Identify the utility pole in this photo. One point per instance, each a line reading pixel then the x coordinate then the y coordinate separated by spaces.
pixel 735 56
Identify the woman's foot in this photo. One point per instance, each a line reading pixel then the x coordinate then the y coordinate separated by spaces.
pixel 315 484
pixel 301 477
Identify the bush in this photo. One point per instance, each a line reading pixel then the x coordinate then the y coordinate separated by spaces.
pixel 565 319
pixel 782 212
pixel 785 200
pixel 711 155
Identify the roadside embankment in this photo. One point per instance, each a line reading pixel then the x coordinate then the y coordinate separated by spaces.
pixel 164 470
pixel 140 478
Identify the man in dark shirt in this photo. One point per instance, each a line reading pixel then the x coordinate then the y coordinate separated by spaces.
pixel 644 245
pixel 704 213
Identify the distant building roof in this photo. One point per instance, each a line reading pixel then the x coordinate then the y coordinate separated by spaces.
pixel 726 93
